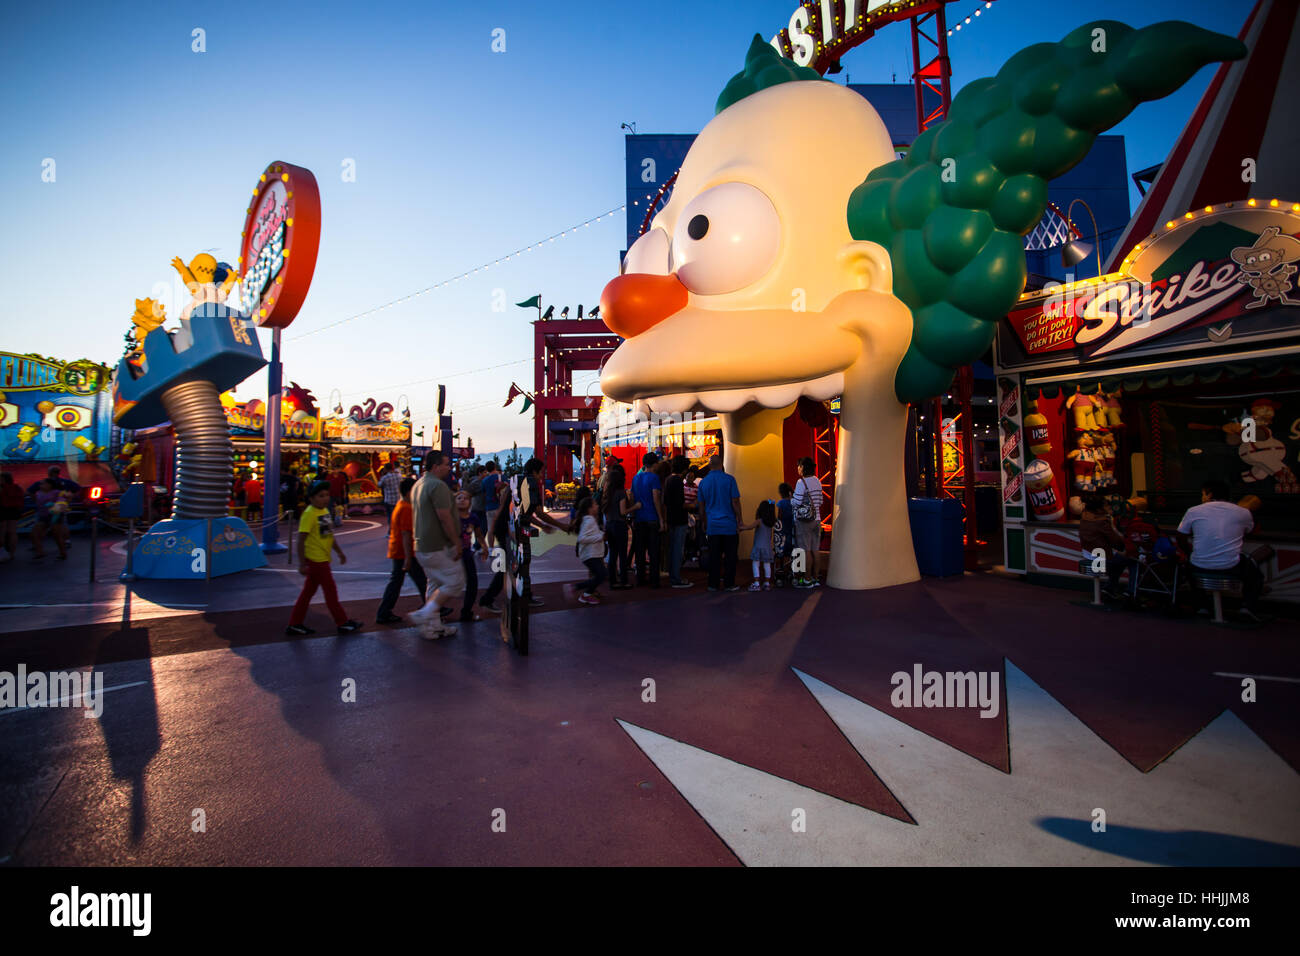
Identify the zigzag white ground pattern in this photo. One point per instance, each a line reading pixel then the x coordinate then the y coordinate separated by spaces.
pixel 1223 787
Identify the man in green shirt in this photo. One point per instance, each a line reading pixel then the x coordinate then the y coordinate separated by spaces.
pixel 437 545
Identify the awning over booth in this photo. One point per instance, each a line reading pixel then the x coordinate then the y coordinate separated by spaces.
pixel 1138 379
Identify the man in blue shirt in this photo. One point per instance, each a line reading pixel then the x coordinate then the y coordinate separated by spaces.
pixel 719 502
pixel 647 521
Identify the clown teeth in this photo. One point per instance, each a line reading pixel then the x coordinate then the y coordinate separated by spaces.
pixel 734 399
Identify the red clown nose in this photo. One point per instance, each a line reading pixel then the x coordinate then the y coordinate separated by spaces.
pixel 636 302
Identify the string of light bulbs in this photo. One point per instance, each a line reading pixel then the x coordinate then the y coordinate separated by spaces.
pixel 375 389
pixel 978 11
pixel 479 268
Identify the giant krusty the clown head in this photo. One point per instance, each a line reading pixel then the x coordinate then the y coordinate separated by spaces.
pixel 776 270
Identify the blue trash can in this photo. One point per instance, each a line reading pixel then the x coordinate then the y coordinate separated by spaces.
pixel 937 535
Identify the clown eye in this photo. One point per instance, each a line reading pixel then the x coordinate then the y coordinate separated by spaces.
pixel 726 238
pixel 68 417
pixel 649 254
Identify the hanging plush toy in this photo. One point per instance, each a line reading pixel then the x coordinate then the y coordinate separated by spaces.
pixel 1105 454
pixel 1084 408
pixel 1037 431
pixel 1083 463
pixel 1112 409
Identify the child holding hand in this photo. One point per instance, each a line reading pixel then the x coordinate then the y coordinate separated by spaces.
pixel 760 555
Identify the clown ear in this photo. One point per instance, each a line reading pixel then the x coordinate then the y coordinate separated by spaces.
pixel 867 265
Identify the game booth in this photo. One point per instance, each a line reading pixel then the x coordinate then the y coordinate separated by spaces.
pixel 625 436
pixel 369 437
pixel 56 413
pixel 1182 363
pixel 301 449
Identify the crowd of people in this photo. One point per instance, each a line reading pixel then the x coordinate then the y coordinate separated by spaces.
pixel 1208 540
pixel 631 532
pixel 440 528
pixel 52 498
pixel 672 512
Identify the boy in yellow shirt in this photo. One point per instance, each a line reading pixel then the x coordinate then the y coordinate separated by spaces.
pixel 316 540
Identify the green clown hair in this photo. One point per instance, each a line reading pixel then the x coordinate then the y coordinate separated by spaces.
pixel 954 212
pixel 764 67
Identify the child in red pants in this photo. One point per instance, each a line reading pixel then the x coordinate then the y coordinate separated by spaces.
pixel 316 537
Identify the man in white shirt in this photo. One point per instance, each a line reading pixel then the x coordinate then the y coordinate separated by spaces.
pixel 1217 527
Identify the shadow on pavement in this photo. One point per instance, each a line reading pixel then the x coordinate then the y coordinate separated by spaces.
pixel 131 734
pixel 1177 848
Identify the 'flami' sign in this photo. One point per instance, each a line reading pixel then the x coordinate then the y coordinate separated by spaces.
pixel 279 243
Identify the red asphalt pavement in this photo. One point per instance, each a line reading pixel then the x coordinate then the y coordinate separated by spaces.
pixel 232 718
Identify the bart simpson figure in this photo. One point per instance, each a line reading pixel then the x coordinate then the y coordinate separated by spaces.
pixel 148 316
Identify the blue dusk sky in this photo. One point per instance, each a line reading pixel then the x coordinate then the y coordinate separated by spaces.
pixel 461 155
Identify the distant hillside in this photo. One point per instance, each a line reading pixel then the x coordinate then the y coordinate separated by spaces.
pixel 525 452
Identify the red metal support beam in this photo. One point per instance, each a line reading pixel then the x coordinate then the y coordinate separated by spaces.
pixel 539 383
pixel 935 75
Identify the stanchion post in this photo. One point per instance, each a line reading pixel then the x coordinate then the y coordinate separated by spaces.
pixel 128 574
pixel 271 473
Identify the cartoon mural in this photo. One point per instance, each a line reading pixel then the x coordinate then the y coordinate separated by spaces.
pixel 775 271
pixel 53 411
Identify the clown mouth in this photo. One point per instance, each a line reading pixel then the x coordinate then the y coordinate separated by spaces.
pixel 733 399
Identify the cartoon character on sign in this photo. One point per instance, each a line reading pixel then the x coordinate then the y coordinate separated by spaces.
pixel 207 280
pixel 1267 267
pixel 148 316
pixel 776 272
pixel 1263 456
pixel 24 447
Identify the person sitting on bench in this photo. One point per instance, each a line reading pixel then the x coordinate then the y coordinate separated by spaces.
pixel 1217 527
pixel 1097 531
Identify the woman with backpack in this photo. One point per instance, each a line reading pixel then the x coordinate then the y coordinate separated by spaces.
pixel 807 505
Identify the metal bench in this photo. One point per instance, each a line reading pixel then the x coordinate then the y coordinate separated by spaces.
pixel 1216 585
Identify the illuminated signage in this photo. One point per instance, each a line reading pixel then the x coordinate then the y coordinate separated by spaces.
pixel 366 433
pixel 53 411
pixel 299 419
pixel 279 244
pixel 1217 273
pixel 25 372
pixel 819 32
